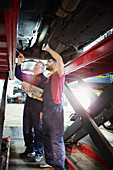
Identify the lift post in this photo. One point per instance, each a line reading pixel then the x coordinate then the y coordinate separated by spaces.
pixel 2 108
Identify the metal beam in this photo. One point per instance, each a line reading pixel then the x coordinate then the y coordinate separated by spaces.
pixel 101 102
pixel 102 118
pixel 11 19
pixel 96 135
pixel 3 38
pixel 2 108
pixel 74 128
pixel 101 55
pixel 3 50
pixel 3 57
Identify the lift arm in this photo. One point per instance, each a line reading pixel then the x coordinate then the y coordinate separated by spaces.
pixel 98 60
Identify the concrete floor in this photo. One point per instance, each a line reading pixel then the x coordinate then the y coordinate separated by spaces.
pixel 13 127
pixel 17 163
pixel 13 121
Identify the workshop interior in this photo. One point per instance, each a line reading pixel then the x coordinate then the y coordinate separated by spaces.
pixel 81 31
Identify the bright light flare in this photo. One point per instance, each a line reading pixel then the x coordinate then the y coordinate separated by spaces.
pixel 82 96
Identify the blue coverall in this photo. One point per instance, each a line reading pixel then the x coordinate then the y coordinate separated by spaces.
pixel 31 115
pixel 53 129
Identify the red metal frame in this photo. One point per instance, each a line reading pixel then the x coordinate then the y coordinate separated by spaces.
pixel 96 61
pixel 8 151
pixel 11 19
pixel 71 164
pixel 3 38
pixel 92 154
pixel 87 151
pixel 3 50
pixel 8 37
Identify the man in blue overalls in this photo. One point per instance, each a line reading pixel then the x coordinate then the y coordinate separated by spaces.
pixel 53 118
pixel 32 109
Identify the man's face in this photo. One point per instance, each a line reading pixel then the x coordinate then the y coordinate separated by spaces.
pixel 50 64
pixel 38 68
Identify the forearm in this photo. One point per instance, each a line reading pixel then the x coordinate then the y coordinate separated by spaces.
pixel 34 97
pixel 20 75
pixel 40 99
pixel 58 58
pixel 55 55
pixel 20 59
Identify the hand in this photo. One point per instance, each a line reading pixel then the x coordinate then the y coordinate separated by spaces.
pixel 20 59
pixel 31 95
pixel 41 114
pixel 45 47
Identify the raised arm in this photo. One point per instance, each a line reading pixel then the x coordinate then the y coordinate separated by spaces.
pixel 57 57
pixel 20 59
pixel 19 74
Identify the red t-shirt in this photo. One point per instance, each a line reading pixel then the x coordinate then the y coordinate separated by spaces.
pixel 57 84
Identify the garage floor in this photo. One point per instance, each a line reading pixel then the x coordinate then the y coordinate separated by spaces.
pixel 13 128
pixel 17 163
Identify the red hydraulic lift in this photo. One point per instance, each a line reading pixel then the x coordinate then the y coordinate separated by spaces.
pixel 98 60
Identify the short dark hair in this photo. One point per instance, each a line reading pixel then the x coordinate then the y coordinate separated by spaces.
pixel 52 59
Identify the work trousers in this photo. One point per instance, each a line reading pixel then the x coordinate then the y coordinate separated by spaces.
pixel 32 126
pixel 53 130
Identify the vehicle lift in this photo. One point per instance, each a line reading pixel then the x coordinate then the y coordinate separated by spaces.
pixel 96 61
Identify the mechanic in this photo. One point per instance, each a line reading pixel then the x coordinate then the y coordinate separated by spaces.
pixel 32 109
pixel 53 115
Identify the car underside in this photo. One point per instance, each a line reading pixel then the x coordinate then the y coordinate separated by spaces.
pixel 67 25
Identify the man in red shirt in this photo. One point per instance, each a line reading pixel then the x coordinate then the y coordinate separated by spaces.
pixel 53 118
